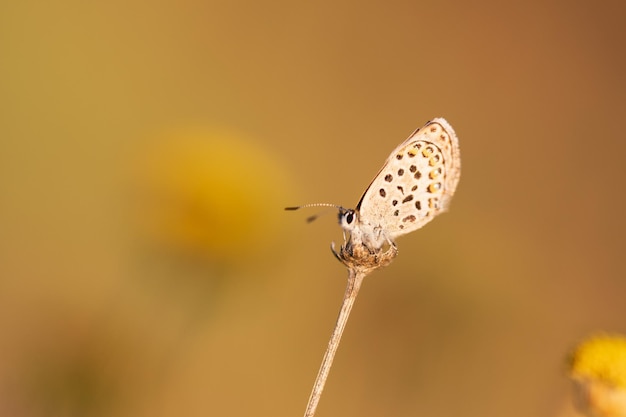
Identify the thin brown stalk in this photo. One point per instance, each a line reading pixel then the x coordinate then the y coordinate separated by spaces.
pixel 355 279
pixel 360 261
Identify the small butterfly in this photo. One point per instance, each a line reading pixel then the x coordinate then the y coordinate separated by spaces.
pixel 415 184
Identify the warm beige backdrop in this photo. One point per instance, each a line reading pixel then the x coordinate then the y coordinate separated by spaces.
pixel 147 150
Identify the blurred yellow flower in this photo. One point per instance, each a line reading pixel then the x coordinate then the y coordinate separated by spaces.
pixel 598 369
pixel 213 193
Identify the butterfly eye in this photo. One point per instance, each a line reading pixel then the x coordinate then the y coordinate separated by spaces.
pixel 347 218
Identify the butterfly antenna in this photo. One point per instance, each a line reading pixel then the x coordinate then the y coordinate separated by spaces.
pixel 315 216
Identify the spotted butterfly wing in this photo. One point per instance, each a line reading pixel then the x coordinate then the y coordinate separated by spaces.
pixel 415 184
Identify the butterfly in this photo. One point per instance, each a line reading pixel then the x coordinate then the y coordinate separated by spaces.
pixel 415 184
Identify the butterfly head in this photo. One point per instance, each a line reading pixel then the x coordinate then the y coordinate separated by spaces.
pixel 348 218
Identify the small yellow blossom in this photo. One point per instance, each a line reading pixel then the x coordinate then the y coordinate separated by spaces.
pixel 598 369
pixel 603 358
pixel 216 193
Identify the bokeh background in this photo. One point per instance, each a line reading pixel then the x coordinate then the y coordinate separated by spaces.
pixel 147 150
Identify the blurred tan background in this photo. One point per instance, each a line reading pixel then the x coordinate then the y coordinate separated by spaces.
pixel 147 150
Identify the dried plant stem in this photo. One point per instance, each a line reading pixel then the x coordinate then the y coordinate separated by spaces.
pixel 355 278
